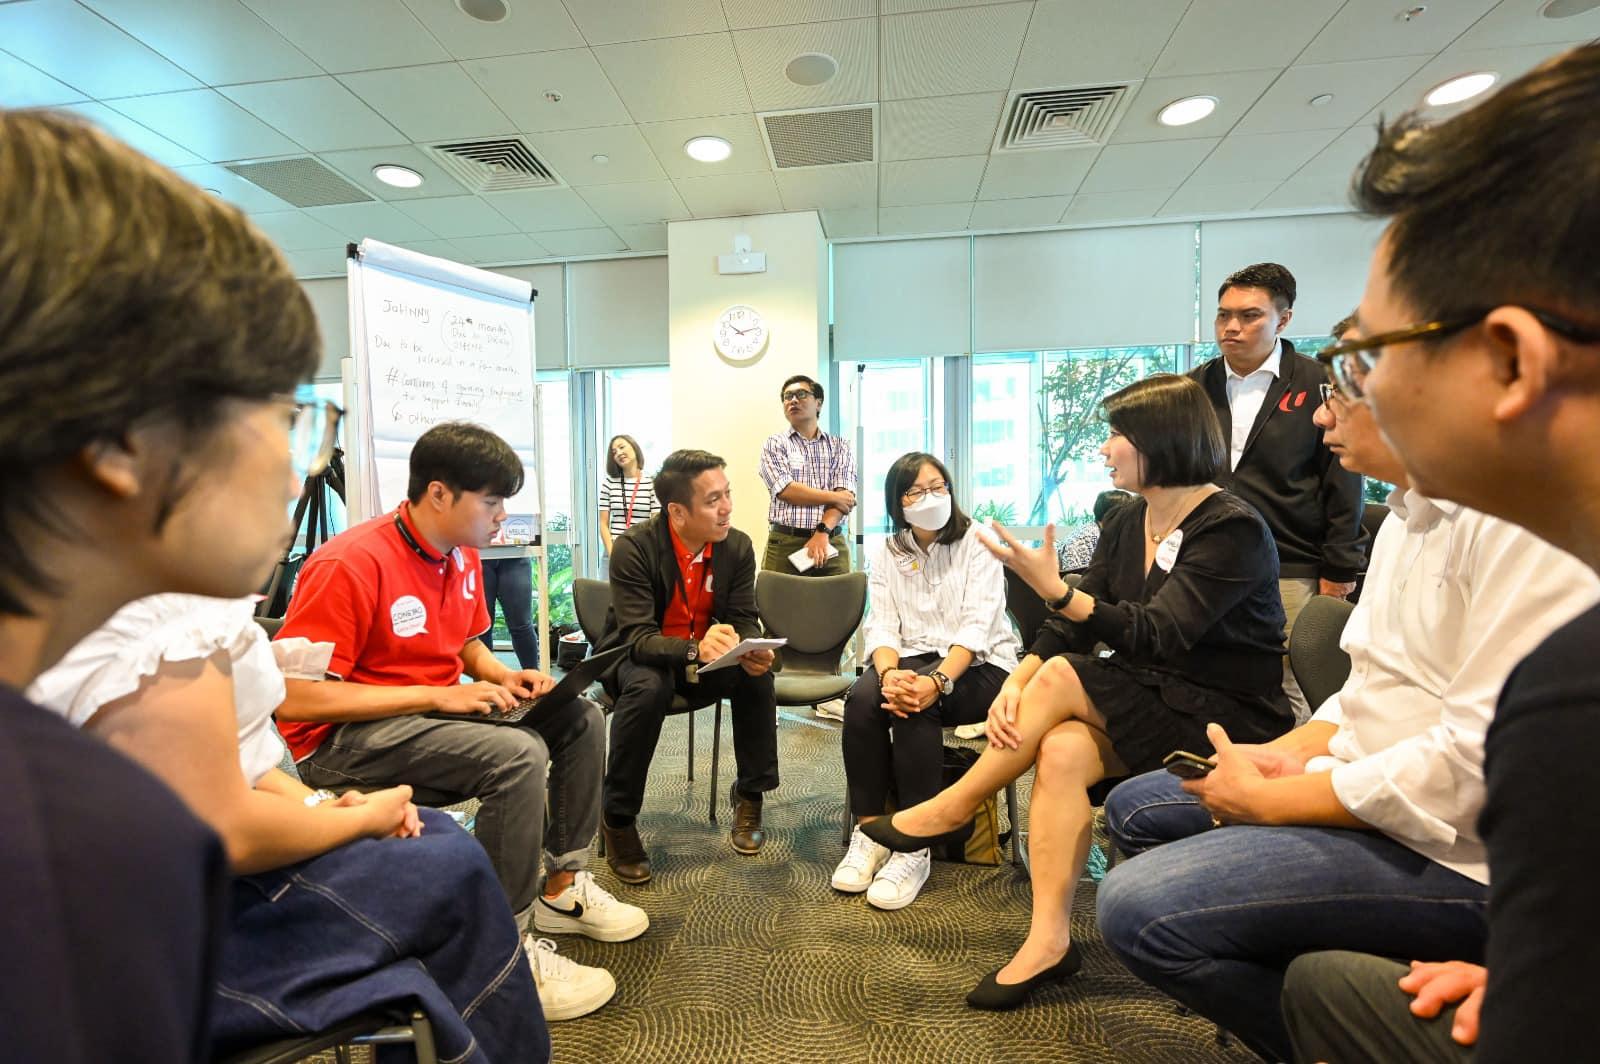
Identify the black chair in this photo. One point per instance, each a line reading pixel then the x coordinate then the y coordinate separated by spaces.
pixel 1319 665
pixel 1372 517
pixel 819 616
pixel 368 1029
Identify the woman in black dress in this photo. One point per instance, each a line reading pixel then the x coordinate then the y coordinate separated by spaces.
pixel 1183 589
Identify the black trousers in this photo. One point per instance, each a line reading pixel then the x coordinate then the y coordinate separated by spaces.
pixel 880 747
pixel 644 694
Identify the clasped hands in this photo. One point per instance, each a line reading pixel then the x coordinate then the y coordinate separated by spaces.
pixel 388 812
pixel 906 692
pixel 721 638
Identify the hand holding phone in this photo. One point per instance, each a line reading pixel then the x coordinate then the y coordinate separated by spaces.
pixel 1187 766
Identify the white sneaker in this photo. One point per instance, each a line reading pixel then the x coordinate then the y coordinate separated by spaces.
pixel 972 731
pixel 586 908
pixel 566 990
pixel 860 864
pixel 899 881
pixel 832 709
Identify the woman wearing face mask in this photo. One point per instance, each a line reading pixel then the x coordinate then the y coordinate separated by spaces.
pixel 1183 589
pixel 940 647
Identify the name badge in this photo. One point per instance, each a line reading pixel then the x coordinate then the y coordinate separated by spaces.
pixel 1167 553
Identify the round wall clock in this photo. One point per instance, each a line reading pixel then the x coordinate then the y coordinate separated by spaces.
pixel 740 333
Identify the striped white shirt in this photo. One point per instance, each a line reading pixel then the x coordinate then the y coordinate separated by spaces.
pixel 955 595
pixel 627 502
pixel 823 462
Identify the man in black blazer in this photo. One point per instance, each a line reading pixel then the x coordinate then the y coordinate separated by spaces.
pixel 1265 394
pixel 683 591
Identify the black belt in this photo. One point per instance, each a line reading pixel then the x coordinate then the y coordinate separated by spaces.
pixel 803 533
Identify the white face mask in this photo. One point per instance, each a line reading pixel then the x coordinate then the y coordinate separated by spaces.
pixel 929 513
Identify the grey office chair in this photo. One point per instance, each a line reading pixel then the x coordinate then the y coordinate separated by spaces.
pixel 819 616
pixel 1319 665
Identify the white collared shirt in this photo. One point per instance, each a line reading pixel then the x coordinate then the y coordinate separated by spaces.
pixel 1245 396
pixel 955 595
pixel 1454 599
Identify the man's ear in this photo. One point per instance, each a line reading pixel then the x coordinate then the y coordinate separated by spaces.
pixel 1283 320
pixel 115 465
pixel 438 495
pixel 1523 358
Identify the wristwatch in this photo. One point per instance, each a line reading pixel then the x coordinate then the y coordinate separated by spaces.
pixel 1056 605
pixel 945 683
pixel 822 526
pixel 694 651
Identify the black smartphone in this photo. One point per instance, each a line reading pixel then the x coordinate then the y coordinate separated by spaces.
pixel 1184 765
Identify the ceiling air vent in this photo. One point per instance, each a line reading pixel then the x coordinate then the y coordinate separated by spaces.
pixel 302 182
pixel 497 165
pixel 1061 118
pixel 821 138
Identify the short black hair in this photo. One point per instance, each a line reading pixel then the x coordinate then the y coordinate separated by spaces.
pixel 1496 205
pixel 1170 421
pixel 1277 280
pixel 1107 501
pixel 611 462
pixel 1343 325
pixel 463 457
pixel 801 378
pixel 675 479
pixel 902 474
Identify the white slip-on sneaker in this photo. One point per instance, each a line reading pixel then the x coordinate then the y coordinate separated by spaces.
pixel 860 864
pixel 898 882
pixel 585 908
pixel 972 731
pixel 567 990
pixel 832 709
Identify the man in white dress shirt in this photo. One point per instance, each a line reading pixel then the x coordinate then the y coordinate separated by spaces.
pixel 1364 831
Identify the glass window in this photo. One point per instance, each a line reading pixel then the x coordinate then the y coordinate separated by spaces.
pixel 896 400
pixel 638 403
pixel 556 444
pixel 336 514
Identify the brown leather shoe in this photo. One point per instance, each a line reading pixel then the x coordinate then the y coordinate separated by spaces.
pixel 746 835
pixel 625 853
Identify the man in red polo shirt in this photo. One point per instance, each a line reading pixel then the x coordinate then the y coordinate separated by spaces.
pixel 683 588
pixel 399 598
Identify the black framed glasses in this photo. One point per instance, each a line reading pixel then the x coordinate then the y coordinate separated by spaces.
pixel 313 431
pixel 916 495
pixel 795 395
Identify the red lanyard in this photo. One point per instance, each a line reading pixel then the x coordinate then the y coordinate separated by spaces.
pixel 627 517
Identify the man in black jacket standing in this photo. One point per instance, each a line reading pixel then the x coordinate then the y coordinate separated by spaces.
pixel 683 588
pixel 1265 394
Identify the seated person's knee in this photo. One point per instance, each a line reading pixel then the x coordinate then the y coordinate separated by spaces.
pixel 1068 755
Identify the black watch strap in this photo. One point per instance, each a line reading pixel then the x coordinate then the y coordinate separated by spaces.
pixel 822 526
pixel 1056 605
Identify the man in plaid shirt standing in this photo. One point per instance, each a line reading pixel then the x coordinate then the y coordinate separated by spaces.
pixel 812 478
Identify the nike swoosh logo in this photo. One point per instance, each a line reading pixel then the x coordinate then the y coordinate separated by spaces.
pixel 576 912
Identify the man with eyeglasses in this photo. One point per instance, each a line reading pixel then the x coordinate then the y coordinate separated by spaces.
pixel 1479 355
pixel 1362 822
pixel 1265 394
pixel 812 477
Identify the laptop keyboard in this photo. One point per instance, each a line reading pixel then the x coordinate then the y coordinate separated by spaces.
pixel 516 712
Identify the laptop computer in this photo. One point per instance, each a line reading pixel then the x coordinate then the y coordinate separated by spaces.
pixel 570 686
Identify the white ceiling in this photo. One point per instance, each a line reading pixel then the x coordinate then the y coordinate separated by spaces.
pixel 197 83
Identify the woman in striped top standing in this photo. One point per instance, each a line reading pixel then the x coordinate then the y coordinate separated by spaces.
pixel 627 496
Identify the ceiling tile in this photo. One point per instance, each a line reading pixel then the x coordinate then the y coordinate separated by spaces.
pixel 1356 88
pixel 442 249
pixel 529 26
pixel 354 221
pixel 208 124
pixel 929 218
pixel 427 103
pixel 943 53
pixel 218 41
pixel 1310 192
pixel 351 34
pixel 908 184
pixel 74 45
pixel 681 77
pixel 319 113
pixel 1089 207
pixel 319 262
pixel 1163 164
pixel 1373 29
pixel 639 20
pixel 637 204
pixel 581 242
pixel 668 138
pixel 1018 213
pixel 1089 42
pixel 764 54
pixel 1235 93
pixel 1509 63
pixel 1028 174
pixel 537 210
pixel 1226 35
pixel 512 248
pixel 137 136
pixel 729 195
pixel 938 126
pixel 458 216
pixel 850 221
pixel 357 165
pixel 820 187
pixel 1517 22
pixel 643 237
pixel 1261 156
pixel 1217 199
pixel 518 84
pixel 294 231
pixel 22 85
pixel 1340 158
pixel 246 195
pixel 572 152
pixel 745 14
pixel 900 7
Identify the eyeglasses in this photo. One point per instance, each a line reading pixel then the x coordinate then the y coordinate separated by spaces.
pixel 313 431
pixel 916 495
pixel 1329 394
pixel 794 395
pixel 1349 361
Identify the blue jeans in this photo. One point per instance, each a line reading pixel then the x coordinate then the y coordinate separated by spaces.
pixel 1213 916
pixel 375 923
pixel 509 581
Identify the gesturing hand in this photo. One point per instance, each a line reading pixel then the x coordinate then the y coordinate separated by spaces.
pixel 1445 983
pixel 1038 566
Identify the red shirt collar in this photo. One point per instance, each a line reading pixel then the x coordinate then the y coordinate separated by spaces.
pixel 681 552
pixel 404 513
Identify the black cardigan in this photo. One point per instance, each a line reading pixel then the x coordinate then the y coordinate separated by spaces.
pixel 644 577
pixel 1311 502
pixel 1215 620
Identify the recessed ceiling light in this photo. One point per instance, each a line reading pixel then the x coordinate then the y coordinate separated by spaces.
pixel 812 68
pixel 601 159
pixel 1189 109
pixel 398 176
pixel 483 10
pixel 708 149
pixel 1567 8
pixel 1463 88
pixel 1322 100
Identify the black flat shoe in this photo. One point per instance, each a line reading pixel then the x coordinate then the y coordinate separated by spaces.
pixel 881 831
pixel 998 997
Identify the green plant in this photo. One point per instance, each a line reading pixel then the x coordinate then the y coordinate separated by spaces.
pixel 1069 405
pixel 1374 490
pixel 1005 513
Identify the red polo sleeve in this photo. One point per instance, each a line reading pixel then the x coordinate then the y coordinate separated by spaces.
pixel 332 604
